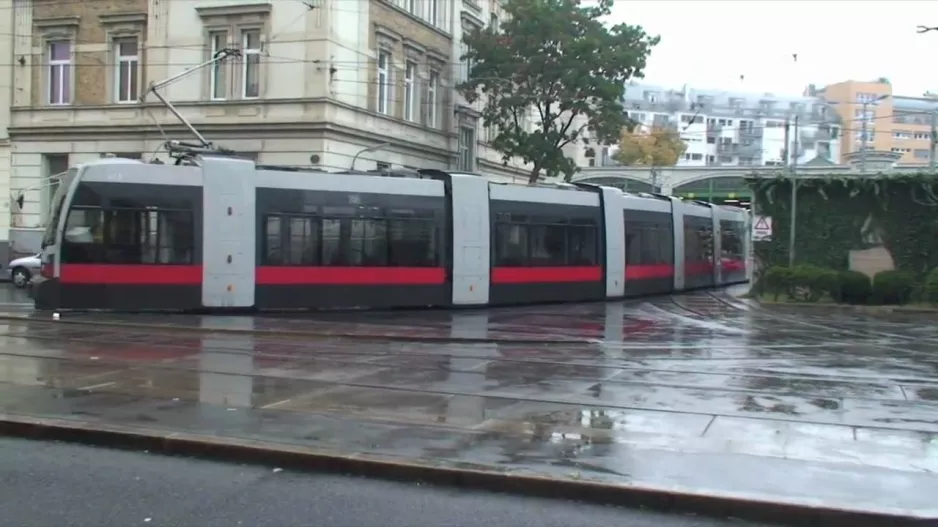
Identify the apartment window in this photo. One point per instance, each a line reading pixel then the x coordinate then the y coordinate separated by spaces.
pixel 127 52
pixel 433 88
pixel 921 153
pixel 251 64
pixel 410 89
pixel 218 79
pixel 60 72
pixel 384 81
pixel 696 157
pixel 467 148
pixel 434 12
pixel 467 62
pixel 921 135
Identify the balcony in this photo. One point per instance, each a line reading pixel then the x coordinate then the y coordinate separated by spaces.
pixel 713 130
pixel 750 134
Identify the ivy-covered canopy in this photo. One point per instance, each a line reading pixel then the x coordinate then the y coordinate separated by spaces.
pixel 837 213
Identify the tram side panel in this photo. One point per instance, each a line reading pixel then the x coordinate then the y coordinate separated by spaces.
pixel 130 240
pixel 546 245
pixel 613 201
pixel 361 242
pixel 649 243
pixel 699 263
pixel 470 243
pixel 732 245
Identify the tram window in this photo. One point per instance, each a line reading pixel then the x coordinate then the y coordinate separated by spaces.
pixel 273 252
pixel 129 236
pixel 583 245
pixel 332 243
pixel 368 242
pixel 511 245
pixel 731 245
pixel 412 243
pixel 304 241
pixel 548 244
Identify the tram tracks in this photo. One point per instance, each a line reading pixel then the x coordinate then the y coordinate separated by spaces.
pixel 612 371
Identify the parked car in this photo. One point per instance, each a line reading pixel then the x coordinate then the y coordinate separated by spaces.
pixel 23 269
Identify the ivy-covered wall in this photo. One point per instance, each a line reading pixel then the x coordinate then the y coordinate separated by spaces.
pixel 837 214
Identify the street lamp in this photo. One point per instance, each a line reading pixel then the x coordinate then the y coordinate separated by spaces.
pixel 380 146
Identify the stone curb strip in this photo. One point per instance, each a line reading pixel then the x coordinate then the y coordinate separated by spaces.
pixel 870 310
pixel 298 458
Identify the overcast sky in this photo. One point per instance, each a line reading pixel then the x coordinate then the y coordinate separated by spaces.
pixel 710 43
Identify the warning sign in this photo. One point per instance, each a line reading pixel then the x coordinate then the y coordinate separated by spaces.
pixel 761 228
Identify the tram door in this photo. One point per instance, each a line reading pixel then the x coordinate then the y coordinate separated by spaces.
pixel 228 232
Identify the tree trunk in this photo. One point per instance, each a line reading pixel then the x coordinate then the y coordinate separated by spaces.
pixel 534 175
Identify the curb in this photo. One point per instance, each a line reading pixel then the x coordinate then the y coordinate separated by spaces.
pixel 298 334
pixel 298 458
pixel 871 310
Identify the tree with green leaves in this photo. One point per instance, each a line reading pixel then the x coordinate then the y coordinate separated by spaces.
pixel 554 59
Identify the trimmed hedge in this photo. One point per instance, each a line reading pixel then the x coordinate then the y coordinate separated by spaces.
pixel 893 287
pixel 802 282
pixel 809 283
pixel 931 287
pixel 853 287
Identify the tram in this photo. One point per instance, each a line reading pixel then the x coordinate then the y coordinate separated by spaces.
pixel 226 234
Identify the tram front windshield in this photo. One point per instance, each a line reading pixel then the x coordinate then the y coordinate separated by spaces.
pixel 58 204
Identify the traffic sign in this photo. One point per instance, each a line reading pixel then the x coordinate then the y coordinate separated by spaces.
pixel 761 228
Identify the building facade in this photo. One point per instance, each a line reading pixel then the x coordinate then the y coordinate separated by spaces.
pixel 893 123
pixel 319 83
pixel 7 66
pixel 734 129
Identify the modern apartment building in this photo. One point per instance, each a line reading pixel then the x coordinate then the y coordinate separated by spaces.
pixel 894 123
pixel 317 82
pixel 723 128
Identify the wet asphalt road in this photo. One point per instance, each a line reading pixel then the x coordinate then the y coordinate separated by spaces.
pixel 52 484
pixel 698 393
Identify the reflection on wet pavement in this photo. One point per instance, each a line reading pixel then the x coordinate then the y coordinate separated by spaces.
pixel 697 392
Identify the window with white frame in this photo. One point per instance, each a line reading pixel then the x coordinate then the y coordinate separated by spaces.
pixel 467 148
pixel 466 65
pixel 433 12
pixel 251 64
pixel 218 78
pixel 126 69
pixel 410 90
pixel 433 90
pixel 60 72
pixel 384 82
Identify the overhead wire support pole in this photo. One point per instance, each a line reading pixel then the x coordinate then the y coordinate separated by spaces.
pixel 220 56
pixel 794 194
pixel 863 131
pixel 933 140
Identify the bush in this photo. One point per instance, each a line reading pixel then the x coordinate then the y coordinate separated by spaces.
pixel 776 281
pixel 893 287
pixel 931 287
pixel 810 282
pixel 802 282
pixel 853 287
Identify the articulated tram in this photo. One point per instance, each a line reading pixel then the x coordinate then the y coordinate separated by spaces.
pixel 227 234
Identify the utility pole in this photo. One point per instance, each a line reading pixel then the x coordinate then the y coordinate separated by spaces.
pixel 863 139
pixel 933 141
pixel 793 164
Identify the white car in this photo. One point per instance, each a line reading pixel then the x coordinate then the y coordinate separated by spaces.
pixel 23 269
